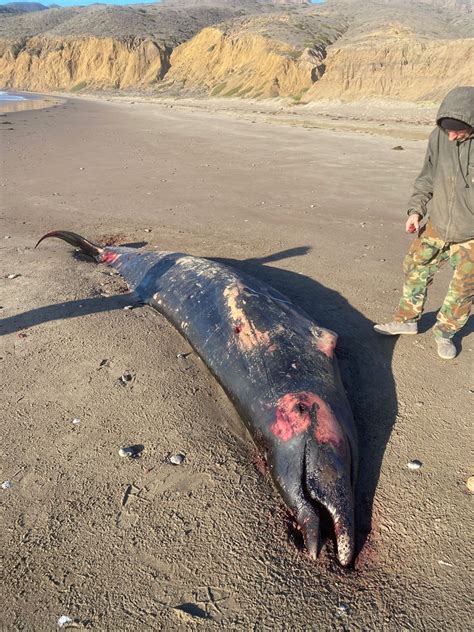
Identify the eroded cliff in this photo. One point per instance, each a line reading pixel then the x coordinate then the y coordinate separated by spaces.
pixel 342 49
pixel 254 57
pixel 45 63
pixel 402 67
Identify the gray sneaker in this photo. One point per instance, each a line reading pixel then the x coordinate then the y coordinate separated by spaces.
pixel 446 348
pixel 394 328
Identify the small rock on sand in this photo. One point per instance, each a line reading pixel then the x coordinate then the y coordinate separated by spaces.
pixel 177 459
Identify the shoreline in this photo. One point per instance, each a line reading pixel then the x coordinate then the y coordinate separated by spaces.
pixel 381 117
pixel 33 101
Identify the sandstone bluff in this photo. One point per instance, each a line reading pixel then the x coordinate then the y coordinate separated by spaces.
pixel 287 48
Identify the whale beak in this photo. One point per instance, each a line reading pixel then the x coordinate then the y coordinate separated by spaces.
pixel 344 534
pixel 308 519
pixel 321 484
pixel 314 466
pixel 328 483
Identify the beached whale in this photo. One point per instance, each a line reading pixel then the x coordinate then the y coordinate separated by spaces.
pixel 276 365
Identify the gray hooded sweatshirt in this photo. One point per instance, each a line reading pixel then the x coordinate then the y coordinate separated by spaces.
pixel 447 177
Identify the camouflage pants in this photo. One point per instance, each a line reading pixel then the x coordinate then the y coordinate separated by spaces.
pixel 426 255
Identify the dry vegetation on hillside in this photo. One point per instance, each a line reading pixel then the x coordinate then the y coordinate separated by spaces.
pixel 170 25
pixel 340 49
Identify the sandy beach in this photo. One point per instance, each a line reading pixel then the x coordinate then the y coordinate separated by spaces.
pixel 318 211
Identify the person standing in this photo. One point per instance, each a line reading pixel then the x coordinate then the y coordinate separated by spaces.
pixel 444 193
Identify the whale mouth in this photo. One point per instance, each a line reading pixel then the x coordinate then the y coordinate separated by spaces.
pixel 329 514
pixel 325 523
pixel 344 540
pixel 316 475
pixel 309 531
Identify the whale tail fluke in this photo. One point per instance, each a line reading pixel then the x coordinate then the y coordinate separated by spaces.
pixel 86 246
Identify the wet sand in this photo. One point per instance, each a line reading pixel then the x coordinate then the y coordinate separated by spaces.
pixel 30 102
pixel 121 544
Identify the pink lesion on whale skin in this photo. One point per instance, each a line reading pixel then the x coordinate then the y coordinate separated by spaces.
pixel 328 429
pixel 109 257
pixel 324 340
pixel 295 413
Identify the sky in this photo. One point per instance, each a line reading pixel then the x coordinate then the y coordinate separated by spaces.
pixel 75 3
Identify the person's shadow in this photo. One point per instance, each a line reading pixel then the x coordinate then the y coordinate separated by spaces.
pixel 364 359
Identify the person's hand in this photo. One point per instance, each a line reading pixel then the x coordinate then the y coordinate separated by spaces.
pixel 413 223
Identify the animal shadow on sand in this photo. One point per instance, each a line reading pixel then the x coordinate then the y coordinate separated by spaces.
pixel 364 358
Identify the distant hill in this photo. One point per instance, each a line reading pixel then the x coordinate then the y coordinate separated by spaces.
pixel 21 7
pixel 167 25
pixel 242 3
pixel 344 49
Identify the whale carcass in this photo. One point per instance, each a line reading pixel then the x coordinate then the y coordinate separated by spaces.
pixel 276 365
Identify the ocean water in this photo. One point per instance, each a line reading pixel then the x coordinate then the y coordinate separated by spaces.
pixel 9 97
pixel 18 101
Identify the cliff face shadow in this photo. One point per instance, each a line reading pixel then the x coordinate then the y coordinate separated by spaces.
pixel 364 360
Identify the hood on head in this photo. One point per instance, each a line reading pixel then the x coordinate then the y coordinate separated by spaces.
pixel 458 104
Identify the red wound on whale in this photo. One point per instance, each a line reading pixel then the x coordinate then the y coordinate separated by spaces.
pixel 109 257
pixel 294 414
pixel 326 342
pixel 327 428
